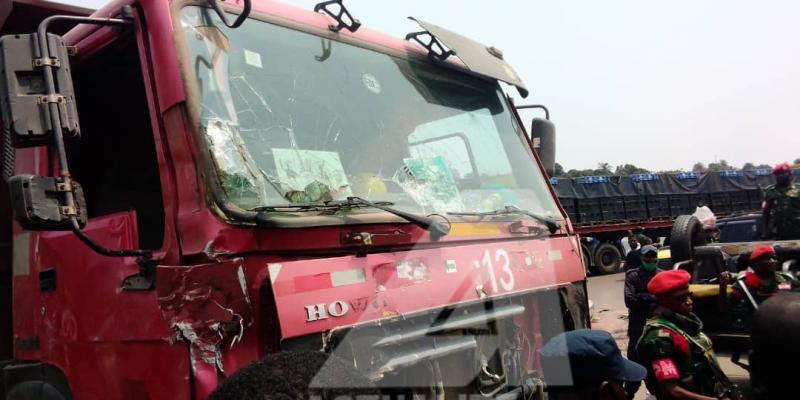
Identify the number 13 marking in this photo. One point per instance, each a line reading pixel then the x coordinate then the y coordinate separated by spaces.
pixel 507 280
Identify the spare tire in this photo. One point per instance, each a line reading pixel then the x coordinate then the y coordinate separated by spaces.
pixel 607 259
pixel 687 232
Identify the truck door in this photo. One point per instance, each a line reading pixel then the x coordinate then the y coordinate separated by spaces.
pixel 17 16
pixel 102 333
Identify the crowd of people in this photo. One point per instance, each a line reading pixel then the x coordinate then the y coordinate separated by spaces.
pixel 667 348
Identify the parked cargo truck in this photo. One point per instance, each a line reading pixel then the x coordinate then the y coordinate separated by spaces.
pixel 196 184
pixel 603 209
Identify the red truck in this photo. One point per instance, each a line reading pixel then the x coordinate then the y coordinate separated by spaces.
pixel 196 184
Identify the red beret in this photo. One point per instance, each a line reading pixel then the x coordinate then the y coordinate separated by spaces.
pixel 761 251
pixel 667 281
pixel 782 167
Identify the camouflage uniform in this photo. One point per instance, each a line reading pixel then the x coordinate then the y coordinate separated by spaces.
pixel 668 355
pixel 783 205
pixel 761 290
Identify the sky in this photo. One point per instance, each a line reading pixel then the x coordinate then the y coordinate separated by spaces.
pixel 661 85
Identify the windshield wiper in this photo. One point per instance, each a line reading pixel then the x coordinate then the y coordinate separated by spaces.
pixel 434 227
pixel 552 224
pixel 327 206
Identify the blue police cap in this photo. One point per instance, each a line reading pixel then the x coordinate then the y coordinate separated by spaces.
pixel 585 358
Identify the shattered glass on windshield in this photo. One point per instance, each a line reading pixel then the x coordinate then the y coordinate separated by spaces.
pixel 293 118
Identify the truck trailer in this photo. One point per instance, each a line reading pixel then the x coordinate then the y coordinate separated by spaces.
pixel 603 209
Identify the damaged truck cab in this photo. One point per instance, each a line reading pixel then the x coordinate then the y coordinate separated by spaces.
pixel 196 184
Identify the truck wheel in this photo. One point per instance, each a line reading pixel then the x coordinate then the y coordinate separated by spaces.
pixel 34 390
pixel 687 232
pixel 607 259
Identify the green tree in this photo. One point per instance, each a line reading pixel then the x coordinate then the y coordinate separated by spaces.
pixel 559 170
pixel 748 166
pixel 722 165
pixel 629 169
pixel 699 167
pixel 575 173
pixel 603 168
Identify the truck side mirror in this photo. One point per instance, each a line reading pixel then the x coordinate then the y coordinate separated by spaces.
pixel 38 203
pixel 36 96
pixel 37 107
pixel 543 135
pixel 25 105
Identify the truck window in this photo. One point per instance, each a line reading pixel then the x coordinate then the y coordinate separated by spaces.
pixel 115 159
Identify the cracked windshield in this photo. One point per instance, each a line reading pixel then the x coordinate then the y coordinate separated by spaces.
pixel 291 118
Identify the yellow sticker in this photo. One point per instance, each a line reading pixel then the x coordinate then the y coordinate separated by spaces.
pixel 252 58
pixel 474 229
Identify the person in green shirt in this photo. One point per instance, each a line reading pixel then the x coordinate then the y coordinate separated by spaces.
pixel 677 354
pixel 762 281
pixel 781 208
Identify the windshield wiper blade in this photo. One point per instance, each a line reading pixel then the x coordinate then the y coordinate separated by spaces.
pixel 434 227
pixel 552 224
pixel 327 206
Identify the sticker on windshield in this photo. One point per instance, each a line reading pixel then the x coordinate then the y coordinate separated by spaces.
pixel 252 58
pixel 371 83
pixel 311 175
pixel 430 182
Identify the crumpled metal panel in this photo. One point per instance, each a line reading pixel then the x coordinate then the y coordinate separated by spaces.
pixel 207 305
pixel 476 56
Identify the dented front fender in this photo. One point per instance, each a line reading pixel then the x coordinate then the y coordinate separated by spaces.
pixel 207 305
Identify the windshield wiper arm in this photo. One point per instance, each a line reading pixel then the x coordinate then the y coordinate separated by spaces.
pixel 552 224
pixel 435 228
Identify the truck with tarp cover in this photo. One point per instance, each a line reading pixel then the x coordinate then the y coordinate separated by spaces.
pixel 603 209
pixel 195 184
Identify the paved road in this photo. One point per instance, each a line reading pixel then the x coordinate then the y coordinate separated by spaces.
pixel 610 314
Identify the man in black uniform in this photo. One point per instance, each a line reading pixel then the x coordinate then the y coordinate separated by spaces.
pixel 634 257
pixel 639 302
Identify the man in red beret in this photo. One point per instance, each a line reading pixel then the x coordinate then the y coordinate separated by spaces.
pixel 781 208
pixel 677 354
pixel 762 281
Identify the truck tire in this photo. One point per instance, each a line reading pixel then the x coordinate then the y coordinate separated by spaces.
pixel 34 390
pixel 687 232
pixel 289 373
pixel 607 259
